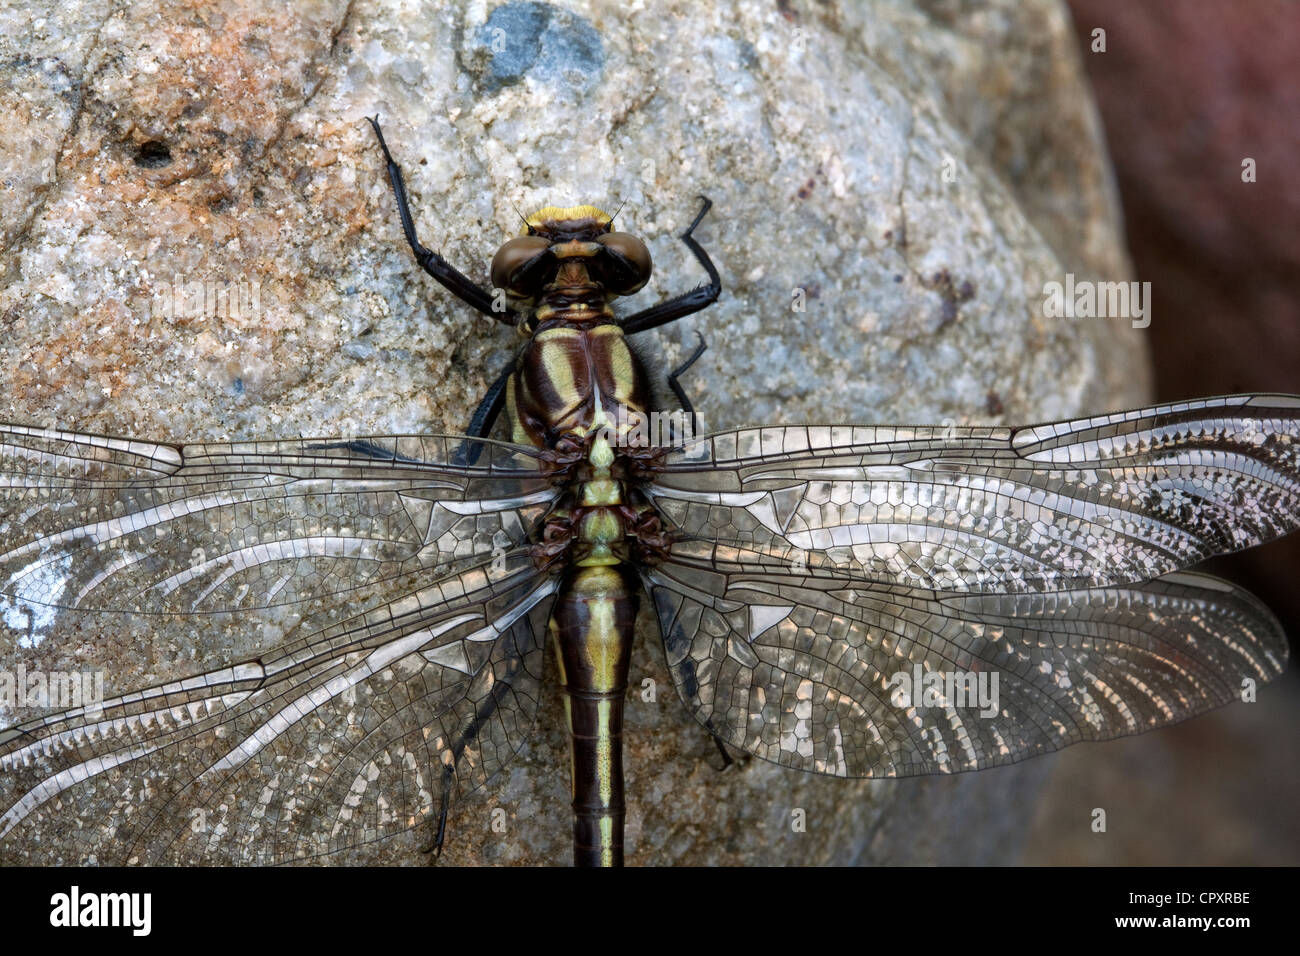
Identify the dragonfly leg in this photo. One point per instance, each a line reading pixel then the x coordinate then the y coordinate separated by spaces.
pixel 485 416
pixel 727 759
pixel 688 410
pixel 462 740
pixel 448 775
pixel 701 297
pixel 452 279
pixel 480 426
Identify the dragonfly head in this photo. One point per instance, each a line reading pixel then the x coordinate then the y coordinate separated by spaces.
pixel 555 237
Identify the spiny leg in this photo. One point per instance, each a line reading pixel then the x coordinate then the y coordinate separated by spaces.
pixel 485 416
pixel 444 804
pixel 461 741
pixel 480 426
pixel 701 297
pixel 452 279
pixel 688 410
pixel 727 759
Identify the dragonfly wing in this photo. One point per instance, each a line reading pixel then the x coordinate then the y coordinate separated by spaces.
pixel 336 739
pixel 95 523
pixel 805 672
pixel 1113 499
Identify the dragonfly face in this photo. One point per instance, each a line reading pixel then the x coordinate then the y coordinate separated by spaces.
pixel 570 256
pixel 849 600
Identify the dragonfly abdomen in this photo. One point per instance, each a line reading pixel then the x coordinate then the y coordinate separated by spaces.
pixel 592 626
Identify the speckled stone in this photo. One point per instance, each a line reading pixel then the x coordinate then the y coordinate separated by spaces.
pixel 917 170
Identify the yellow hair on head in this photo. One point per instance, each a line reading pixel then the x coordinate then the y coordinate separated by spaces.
pixel 563 213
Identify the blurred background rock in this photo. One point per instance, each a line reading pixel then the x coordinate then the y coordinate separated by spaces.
pixel 1187 91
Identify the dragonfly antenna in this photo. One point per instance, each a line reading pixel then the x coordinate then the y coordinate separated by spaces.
pixel 520 215
pixel 617 211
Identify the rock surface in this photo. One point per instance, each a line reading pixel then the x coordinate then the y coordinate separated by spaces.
pixel 919 171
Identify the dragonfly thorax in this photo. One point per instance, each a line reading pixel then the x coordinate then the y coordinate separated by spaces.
pixel 565 374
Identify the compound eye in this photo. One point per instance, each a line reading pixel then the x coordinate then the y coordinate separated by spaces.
pixel 514 267
pixel 627 265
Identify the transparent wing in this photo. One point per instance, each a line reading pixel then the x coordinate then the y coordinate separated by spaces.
pixel 338 738
pixel 1113 499
pixel 113 524
pixel 806 672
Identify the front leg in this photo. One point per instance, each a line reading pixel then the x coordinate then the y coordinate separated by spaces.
pixel 438 267
pixel 701 297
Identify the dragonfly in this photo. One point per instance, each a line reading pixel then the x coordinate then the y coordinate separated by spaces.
pixel 850 600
